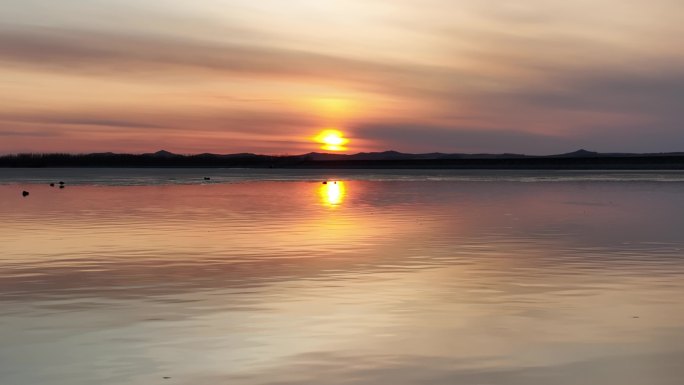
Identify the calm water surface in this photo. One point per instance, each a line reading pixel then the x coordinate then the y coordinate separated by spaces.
pixel 127 277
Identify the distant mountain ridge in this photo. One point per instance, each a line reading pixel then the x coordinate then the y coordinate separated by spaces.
pixel 396 155
pixel 577 160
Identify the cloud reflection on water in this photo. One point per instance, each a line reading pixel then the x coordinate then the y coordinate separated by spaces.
pixel 449 281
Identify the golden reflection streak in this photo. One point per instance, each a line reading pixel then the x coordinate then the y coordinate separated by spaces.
pixel 332 193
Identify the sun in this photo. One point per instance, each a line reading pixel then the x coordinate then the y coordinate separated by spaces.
pixel 332 140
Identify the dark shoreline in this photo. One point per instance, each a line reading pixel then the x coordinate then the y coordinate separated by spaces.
pixel 631 162
pixel 646 163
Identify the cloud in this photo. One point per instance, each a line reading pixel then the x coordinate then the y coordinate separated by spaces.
pixel 182 130
pixel 454 139
pixel 269 122
pixel 26 133
pixel 158 58
pixel 119 54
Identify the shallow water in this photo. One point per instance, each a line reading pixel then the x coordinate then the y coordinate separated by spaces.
pixel 163 176
pixel 391 277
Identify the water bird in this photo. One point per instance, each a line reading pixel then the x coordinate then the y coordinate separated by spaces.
pixel 24 193
pixel 61 186
pixel 207 178
pixel 60 182
pixel 325 182
pixel 52 185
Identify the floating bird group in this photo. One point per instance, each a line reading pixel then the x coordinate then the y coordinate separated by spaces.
pixel 60 183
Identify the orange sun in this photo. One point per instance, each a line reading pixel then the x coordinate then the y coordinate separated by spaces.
pixel 332 140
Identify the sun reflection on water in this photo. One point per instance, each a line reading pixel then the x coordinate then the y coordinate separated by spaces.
pixel 332 193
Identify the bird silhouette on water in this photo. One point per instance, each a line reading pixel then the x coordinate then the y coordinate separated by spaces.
pixel 24 193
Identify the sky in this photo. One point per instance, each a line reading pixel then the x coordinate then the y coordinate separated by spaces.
pixel 267 76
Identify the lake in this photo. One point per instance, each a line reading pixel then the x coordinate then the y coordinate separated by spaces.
pixel 376 277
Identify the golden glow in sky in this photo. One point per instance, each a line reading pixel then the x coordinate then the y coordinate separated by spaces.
pixel 332 140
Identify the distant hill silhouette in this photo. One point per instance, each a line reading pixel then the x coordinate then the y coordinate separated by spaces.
pixel 581 159
pixel 578 154
pixel 163 154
